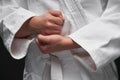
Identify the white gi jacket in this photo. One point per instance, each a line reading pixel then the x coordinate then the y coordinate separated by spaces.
pixel 93 24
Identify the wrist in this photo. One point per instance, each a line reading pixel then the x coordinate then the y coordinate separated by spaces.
pixel 31 23
pixel 25 30
pixel 70 44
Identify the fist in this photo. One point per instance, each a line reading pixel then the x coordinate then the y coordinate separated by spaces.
pixel 48 23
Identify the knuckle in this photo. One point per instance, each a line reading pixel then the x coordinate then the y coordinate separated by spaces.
pixel 47 32
pixel 48 24
pixel 50 19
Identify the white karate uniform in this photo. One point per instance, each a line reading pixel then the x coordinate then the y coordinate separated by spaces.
pixel 93 24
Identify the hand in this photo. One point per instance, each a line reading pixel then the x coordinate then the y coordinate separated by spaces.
pixel 50 22
pixel 53 43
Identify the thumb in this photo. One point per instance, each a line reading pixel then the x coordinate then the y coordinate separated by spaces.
pixel 43 40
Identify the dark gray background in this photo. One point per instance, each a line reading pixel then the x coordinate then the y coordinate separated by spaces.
pixel 10 69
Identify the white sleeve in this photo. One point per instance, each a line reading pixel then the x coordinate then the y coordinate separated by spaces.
pixel 101 39
pixel 12 17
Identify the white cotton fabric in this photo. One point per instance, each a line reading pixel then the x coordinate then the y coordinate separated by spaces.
pixel 93 24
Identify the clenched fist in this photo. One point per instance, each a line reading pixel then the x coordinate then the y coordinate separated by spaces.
pixel 54 43
pixel 48 23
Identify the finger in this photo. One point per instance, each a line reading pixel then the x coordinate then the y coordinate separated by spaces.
pixel 52 29
pixel 39 44
pixel 56 17
pixel 55 13
pixel 48 32
pixel 51 32
pixel 42 43
pixel 41 47
pixel 51 26
pixel 57 21
pixel 43 40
